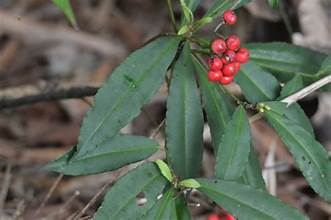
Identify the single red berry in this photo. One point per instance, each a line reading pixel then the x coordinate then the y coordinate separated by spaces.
pixel 233 42
pixel 229 17
pixel 229 69
pixel 225 80
pixel 237 65
pixel 216 64
pixel 242 56
pixel 229 217
pixel 213 217
pixel 228 56
pixel 218 46
pixel 215 75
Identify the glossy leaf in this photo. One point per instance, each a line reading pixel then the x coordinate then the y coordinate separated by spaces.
pixel 324 71
pixel 121 201
pixel 164 209
pixel 189 183
pixel 286 61
pixel 233 152
pixel 253 173
pixel 188 15
pixel 184 119
pixel 65 6
pixel 216 104
pixel 291 87
pixel 309 155
pixel 110 155
pixel 165 170
pixel 219 7
pixel 246 203
pixel 293 113
pixel 129 87
pixel 257 84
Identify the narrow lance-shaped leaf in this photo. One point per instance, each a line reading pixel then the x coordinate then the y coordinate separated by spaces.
pixel 286 61
pixel 164 209
pixel 291 87
pixel 253 173
pixel 293 113
pixel 145 183
pixel 109 155
pixel 257 84
pixel 233 152
pixel 216 104
pixel 121 97
pixel 65 6
pixel 247 203
pixel 184 119
pixel 309 155
pixel 192 4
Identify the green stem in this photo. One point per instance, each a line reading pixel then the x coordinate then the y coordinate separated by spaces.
pixel 172 15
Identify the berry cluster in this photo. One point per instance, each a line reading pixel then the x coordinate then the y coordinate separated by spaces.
pixel 227 55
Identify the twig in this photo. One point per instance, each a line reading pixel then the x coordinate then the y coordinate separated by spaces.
pixel 52 95
pixel 5 187
pixel 34 32
pixel 307 90
pixel 49 193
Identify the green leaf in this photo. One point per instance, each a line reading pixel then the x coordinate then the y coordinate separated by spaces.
pixel 216 104
pixel 184 119
pixel 183 212
pixel 110 155
pixel 203 21
pixel 309 155
pixel 246 203
pixel 183 30
pixel 233 152
pixel 165 170
pixel 253 174
pixel 218 8
pixel 129 87
pixel 291 87
pixel 164 209
pixel 286 61
pixel 120 201
pixel 293 113
pixel 257 84
pixel 65 6
pixel 189 183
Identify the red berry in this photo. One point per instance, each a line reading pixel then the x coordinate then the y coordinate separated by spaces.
pixel 237 64
pixel 229 217
pixel 218 46
pixel 226 80
pixel 213 217
pixel 215 75
pixel 233 42
pixel 242 56
pixel 229 69
pixel 216 64
pixel 228 56
pixel 229 17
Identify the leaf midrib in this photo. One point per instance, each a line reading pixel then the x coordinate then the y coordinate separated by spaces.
pixel 128 150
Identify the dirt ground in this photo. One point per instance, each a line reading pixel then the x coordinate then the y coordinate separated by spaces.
pixel 40 52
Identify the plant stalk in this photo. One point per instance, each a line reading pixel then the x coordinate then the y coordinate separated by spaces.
pixel 172 15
